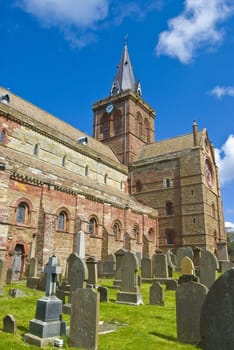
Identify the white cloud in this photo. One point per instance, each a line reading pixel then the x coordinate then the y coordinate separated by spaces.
pixel 194 28
pixel 221 91
pixel 229 226
pixel 79 13
pixel 225 160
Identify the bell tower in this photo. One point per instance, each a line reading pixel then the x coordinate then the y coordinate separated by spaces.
pixel 124 121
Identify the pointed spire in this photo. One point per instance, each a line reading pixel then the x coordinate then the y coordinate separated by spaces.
pixel 124 78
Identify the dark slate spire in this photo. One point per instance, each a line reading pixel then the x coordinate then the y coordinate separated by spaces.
pixel 124 79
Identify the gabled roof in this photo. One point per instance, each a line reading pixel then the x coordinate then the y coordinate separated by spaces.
pixel 124 79
pixel 168 146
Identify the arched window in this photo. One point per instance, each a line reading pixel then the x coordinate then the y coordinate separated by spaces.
pixel 23 216
pixel 169 208
pixel 117 122
pixel 92 226
pixel 3 136
pixel 147 130
pixel 138 186
pixel 36 149
pixel 62 221
pixel 151 233
pixel 141 131
pixel 117 230
pixel 170 236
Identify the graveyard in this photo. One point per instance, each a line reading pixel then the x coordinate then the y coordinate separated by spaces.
pixel 140 327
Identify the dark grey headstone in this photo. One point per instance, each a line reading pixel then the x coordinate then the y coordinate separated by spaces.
pixel 190 297
pixel 9 276
pixel 9 324
pixel 159 265
pixel 217 316
pixel 181 253
pixel 208 267
pixel 91 263
pixel 109 265
pixel 156 294
pixel 119 258
pixel 103 291
pixel 146 268
pixel 84 319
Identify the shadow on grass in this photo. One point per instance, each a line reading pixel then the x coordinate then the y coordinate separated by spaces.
pixel 166 337
pixel 22 329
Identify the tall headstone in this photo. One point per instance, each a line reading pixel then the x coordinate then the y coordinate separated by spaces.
pixel 129 290
pixel 146 269
pixel 119 254
pixel 32 280
pixel 159 265
pixel 77 275
pixel 156 294
pixel 48 323
pixel 217 315
pixel 181 253
pixel 208 267
pixel 84 319
pixel 80 244
pixel 190 297
pixel 91 263
pixel 170 264
pixel 109 265
pixel 9 276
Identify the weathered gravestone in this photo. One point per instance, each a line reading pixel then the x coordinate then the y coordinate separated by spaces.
pixel 129 290
pixel 159 265
pixel 119 257
pixel 32 280
pixel 9 324
pixel 217 316
pixel 208 267
pixel 146 269
pixel 9 276
pixel 181 253
pixel 84 319
pixel 48 323
pixel 109 265
pixel 156 294
pixel 77 275
pixel 103 291
pixel 91 263
pixel 2 272
pixel 80 244
pixel 190 297
pixel 170 264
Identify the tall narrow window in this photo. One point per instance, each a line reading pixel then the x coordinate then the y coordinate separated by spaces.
pixel 62 221
pixel 3 136
pixel 170 236
pixel 168 183
pixel 169 208
pixel 22 213
pixel 138 186
pixel 117 230
pixel 92 227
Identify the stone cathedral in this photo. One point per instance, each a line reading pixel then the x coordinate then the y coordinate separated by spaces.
pixel 120 187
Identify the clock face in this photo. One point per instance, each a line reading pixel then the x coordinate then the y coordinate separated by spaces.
pixel 209 173
pixel 109 108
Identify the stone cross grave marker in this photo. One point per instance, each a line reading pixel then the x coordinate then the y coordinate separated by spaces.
pixel 52 269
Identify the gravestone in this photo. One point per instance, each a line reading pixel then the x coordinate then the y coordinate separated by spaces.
pixel 80 244
pixel 16 293
pixel 129 292
pixel 119 257
pixel 84 319
pixel 217 316
pixel 156 294
pixel 225 266
pixel 9 324
pixel 181 253
pixel 190 297
pixel 48 323
pixel 159 265
pixel 109 265
pixel 16 265
pixel 91 263
pixel 170 264
pixel 146 269
pixel 103 291
pixel 77 275
pixel 187 270
pixel 32 280
pixel 2 272
pixel 208 267
pixel 9 276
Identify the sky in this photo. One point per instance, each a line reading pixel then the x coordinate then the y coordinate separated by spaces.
pixel 62 56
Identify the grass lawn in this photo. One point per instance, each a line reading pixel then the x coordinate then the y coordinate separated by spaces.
pixel 149 327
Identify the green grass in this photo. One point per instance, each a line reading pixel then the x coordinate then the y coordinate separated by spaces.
pixel 149 327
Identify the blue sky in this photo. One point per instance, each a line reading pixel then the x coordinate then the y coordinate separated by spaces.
pixel 62 56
